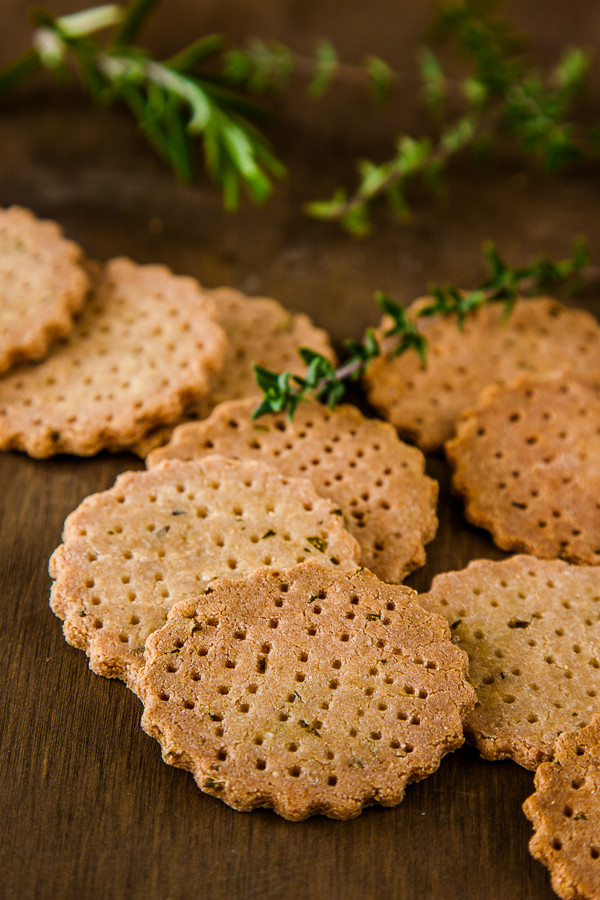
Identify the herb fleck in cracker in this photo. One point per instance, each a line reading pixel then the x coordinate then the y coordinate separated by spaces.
pixel 376 481
pixel 131 552
pixel 531 629
pixel 292 705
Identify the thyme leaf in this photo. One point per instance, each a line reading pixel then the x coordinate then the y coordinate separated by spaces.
pixel 283 392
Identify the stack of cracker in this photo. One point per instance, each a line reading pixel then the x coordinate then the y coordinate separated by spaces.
pixel 247 585
pixel 227 593
pixel 123 351
pixel 300 681
pixel 516 406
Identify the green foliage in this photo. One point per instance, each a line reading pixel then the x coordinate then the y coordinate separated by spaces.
pixel 203 95
pixel 401 333
pixel 174 101
pixel 503 94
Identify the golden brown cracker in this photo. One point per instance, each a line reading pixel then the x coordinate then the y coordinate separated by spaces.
pixel 131 552
pixel 526 461
pixel 42 284
pixel 306 691
pixel 424 402
pixel 377 481
pixel 565 813
pixel 145 345
pixel 260 332
pixel 531 628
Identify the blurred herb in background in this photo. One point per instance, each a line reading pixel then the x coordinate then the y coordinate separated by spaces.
pixel 209 91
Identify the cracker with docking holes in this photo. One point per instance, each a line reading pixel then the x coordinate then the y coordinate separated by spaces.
pixel 360 464
pixel 565 813
pixel 42 285
pixel 424 402
pixel 259 331
pixel 146 344
pixel 526 461
pixel 131 552
pixel 306 691
pixel 531 628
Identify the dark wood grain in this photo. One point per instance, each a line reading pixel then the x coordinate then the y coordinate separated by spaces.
pixel 87 807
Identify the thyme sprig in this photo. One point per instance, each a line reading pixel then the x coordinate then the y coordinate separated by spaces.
pixel 503 95
pixel 283 392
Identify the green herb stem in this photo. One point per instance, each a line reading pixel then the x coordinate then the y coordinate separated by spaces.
pixel 323 382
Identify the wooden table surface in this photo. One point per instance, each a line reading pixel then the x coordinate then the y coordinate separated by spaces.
pixel 87 807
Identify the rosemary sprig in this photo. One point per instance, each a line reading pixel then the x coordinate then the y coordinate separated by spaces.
pixel 282 392
pixel 173 101
pixel 203 92
pixel 503 94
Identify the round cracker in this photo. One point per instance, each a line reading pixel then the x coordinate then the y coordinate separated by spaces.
pixel 565 813
pixel 526 461
pixel 260 331
pixel 377 481
pixel 131 552
pixel 306 691
pixel 424 402
pixel 144 347
pixel 42 284
pixel 531 628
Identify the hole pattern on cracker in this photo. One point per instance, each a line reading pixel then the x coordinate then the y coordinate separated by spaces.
pixel 377 482
pixel 541 496
pixel 424 402
pixel 126 374
pixel 142 547
pixel 565 813
pixel 531 650
pixel 296 722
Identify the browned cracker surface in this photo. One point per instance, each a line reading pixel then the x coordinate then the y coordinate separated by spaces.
pixel 131 552
pixel 377 481
pixel 424 402
pixel 565 813
pixel 527 463
pixel 145 345
pixel 42 285
pixel 306 691
pixel 531 629
pixel 260 332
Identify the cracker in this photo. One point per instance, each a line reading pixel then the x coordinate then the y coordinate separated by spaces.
pixel 424 402
pixel 260 331
pixel 145 346
pixel 306 691
pixel 531 629
pixel 131 552
pixel 565 812
pixel 527 464
pixel 42 284
pixel 377 481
